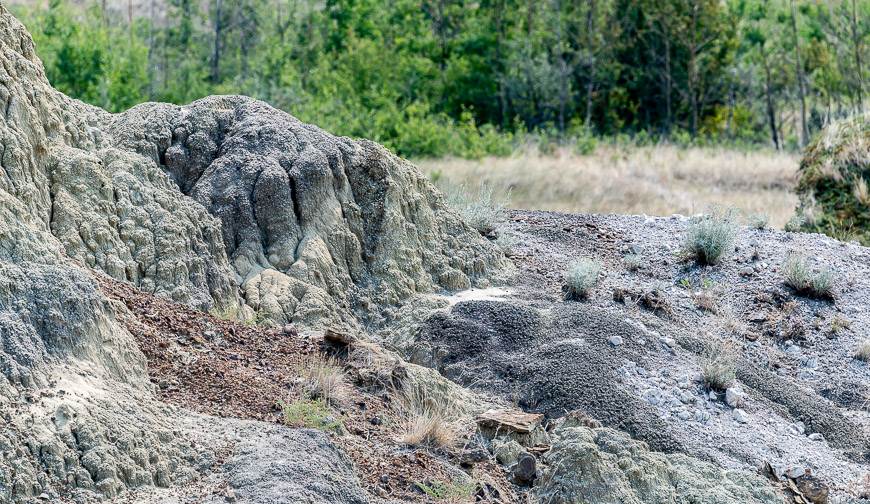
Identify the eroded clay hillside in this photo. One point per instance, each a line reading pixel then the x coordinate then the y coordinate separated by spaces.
pixel 218 303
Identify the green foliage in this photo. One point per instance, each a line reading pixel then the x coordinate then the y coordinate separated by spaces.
pixel 450 491
pixel 311 414
pixel 473 79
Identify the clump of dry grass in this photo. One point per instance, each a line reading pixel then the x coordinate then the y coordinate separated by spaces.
pixel 323 378
pixel 863 351
pixel 801 277
pixel 430 421
pixel 719 365
pixel 653 180
pixel 705 299
pixel 839 323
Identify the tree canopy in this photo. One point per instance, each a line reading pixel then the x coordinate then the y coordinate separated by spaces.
pixel 462 77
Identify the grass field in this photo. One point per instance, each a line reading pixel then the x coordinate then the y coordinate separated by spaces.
pixel 655 180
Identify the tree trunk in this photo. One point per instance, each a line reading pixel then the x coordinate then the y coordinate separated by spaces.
pixel 216 50
pixel 669 87
pixel 590 74
pixel 771 112
pixel 799 70
pixel 856 47
pixel 563 68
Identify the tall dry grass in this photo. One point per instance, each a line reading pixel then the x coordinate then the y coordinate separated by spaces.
pixel 654 180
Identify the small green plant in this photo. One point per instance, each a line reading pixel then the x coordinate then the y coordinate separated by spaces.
pixel 758 221
pixel 581 276
pixel 310 414
pixel 801 277
pixel 863 351
pixel 633 262
pixel 481 210
pixel 448 491
pixel 257 319
pixel 224 312
pixel 235 314
pixel 711 237
pixel 719 366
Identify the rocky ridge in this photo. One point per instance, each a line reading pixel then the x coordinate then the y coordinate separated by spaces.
pixel 166 273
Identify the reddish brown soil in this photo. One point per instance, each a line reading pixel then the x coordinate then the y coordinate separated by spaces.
pixel 229 369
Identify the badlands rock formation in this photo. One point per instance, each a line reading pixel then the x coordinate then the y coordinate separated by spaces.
pixel 168 275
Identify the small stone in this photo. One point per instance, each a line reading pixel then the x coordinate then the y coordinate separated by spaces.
pixel 230 495
pixel 288 329
pixel 713 396
pixel 684 415
pixel 746 272
pixel 734 396
pixel 701 416
pixel 375 420
pixel 652 396
pixel 385 479
pixel 43 496
pixel 740 416
pixel 797 428
pixel 524 471
pixel 687 398
pixel 816 436
pixel 615 340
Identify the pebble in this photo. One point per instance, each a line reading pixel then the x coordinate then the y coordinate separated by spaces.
pixel 740 416
pixel 746 272
pixel 701 416
pixel 684 415
pixel 816 436
pixel 653 396
pixel 687 398
pixel 797 428
pixel 734 396
pixel 615 340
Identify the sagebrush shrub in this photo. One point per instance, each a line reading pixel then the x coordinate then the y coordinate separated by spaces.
pixel 711 237
pixel 801 277
pixel 480 209
pixel 581 276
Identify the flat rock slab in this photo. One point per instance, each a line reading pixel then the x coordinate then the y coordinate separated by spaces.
pixel 510 420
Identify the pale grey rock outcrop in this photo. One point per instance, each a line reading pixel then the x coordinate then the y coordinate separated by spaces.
pixel 606 466
pixel 316 227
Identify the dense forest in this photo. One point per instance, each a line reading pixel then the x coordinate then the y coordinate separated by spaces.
pixel 461 77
